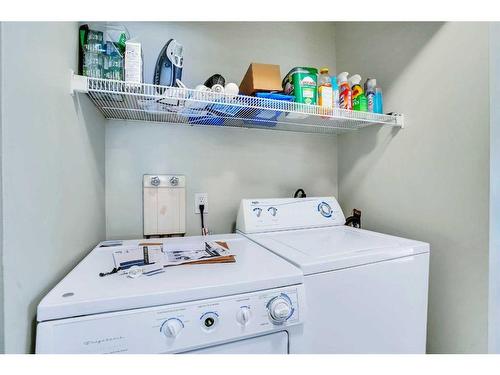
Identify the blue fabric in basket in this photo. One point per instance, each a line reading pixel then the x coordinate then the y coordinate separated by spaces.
pixel 267 117
pixel 206 120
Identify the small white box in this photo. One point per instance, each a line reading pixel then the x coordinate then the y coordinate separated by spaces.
pixel 133 62
pixel 164 203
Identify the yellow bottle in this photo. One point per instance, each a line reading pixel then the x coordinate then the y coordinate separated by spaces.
pixel 325 91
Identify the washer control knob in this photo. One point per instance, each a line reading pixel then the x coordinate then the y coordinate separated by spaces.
pixel 243 315
pixel 273 211
pixel 280 309
pixel 325 209
pixel 174 181
pixel 258 211
pixel 172 327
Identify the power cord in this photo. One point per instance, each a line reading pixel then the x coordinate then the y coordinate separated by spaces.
pixel 203 229
pixel 300 193
pixel 355 219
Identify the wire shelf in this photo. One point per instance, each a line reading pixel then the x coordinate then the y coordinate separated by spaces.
pixel 153 103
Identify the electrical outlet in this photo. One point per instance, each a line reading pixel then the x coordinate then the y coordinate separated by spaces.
pixel 200 198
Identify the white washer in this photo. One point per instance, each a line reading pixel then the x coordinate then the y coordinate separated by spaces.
pixel 366 291
pixel 255 305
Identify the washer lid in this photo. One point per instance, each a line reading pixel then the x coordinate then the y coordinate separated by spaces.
pixel 83 292
pixel 326 249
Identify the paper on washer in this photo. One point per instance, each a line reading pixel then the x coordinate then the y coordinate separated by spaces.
pixel 143 254
pixel 188 253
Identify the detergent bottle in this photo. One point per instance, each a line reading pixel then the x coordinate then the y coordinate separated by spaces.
pixel 325 93
pixel 345 94
pixel 359 102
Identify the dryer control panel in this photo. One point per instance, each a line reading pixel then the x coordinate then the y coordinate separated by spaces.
pixel 175 328
pixel 267 215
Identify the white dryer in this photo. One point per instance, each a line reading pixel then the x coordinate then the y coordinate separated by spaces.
pixel 366 291
pixel 255 305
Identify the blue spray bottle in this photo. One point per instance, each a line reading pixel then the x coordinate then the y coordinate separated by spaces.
pixel 378 102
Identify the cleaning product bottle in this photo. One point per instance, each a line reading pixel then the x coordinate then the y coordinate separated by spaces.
pixel 379 103
pixel 345 93
pixel 335 92
pixel 359 102
pixel 370 85
pixel 325 93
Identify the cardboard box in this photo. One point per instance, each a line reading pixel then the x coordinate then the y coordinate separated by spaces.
pixel 261 77
pixel 133 62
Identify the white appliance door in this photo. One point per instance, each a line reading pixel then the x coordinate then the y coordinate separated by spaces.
pixel 376 308
pixel 325 249
pixel 275 343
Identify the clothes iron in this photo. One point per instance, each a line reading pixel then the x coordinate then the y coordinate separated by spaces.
pixel 169 64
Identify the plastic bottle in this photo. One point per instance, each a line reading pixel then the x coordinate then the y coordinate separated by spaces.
pixel 370 85
pixel 325 93
pixel 335 92
pixel 379 102
pixel 345 93
pixel 359 102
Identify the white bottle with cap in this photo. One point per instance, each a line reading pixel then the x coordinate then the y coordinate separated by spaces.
pixel 344 91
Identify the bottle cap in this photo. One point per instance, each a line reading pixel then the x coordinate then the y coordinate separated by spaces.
pixel 354 80
pixel 323 70
pixel 371 83
pixel 343 77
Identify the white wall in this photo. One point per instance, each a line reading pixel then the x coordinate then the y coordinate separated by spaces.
pixel 53 170
pixel 429 181
pixel 228 164
pixel 494 274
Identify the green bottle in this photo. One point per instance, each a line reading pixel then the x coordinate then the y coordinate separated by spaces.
pixel 359 101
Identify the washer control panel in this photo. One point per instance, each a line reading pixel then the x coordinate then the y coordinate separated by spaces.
pixel 176 328
pixel 266 215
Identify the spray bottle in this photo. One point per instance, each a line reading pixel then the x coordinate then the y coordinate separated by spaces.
pixel 335 90
pixel 359 102
pixel 370 85
pixel 345 94
pixel 378 105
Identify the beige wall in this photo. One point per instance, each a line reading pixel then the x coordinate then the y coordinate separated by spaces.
pixel 53 170
pixel 228 164
pixel 429 181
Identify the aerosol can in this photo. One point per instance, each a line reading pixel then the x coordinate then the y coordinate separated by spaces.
pixel 345 93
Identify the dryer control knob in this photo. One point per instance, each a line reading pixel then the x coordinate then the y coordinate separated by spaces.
pixel 172 327
pixel 280 309
pixel 243 315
